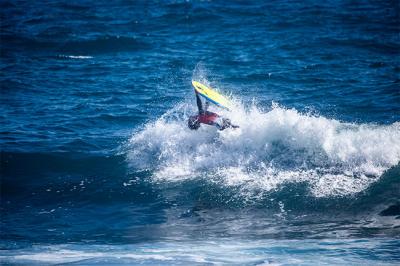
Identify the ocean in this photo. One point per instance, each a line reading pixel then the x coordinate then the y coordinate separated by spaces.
pixel 98 165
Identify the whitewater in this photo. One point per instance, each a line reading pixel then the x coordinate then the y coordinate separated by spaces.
pixel 274 146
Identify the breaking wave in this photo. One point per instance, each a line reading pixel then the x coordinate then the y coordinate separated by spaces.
pixel 270 149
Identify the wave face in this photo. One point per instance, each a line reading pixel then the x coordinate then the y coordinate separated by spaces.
pixel 270 149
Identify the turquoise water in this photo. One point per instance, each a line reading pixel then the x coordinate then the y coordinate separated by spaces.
pixel 98 165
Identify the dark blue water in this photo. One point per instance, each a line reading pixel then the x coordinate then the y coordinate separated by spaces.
pixel 99 167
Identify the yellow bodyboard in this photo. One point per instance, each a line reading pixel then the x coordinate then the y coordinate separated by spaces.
pixel 211 95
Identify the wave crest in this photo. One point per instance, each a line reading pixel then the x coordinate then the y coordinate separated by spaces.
pixel 270 149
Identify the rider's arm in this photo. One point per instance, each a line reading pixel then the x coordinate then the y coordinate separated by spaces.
pixel 226 123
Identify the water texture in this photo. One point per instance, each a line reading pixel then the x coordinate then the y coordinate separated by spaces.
pixel 98 165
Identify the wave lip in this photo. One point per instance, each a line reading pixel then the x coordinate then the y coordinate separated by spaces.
pixel 269 150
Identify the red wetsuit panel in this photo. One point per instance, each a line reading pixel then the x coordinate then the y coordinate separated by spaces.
pixel 208 118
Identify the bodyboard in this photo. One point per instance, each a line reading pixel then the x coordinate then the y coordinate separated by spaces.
pixel 211 95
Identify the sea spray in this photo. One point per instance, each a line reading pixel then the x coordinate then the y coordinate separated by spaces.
pixel 270 149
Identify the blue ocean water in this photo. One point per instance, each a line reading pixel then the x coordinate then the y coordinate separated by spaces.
pixel 98 165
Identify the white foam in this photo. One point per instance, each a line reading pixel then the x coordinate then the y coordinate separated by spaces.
pixel 219 252
pixel 68 256
pixel 269 149
pixel 77 56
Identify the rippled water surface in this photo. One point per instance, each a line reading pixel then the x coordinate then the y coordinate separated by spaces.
pixel 98 165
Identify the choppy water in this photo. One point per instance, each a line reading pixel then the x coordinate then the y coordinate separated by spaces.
pixel 98 165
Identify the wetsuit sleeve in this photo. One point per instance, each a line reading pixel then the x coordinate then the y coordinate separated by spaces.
pixel 199 103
